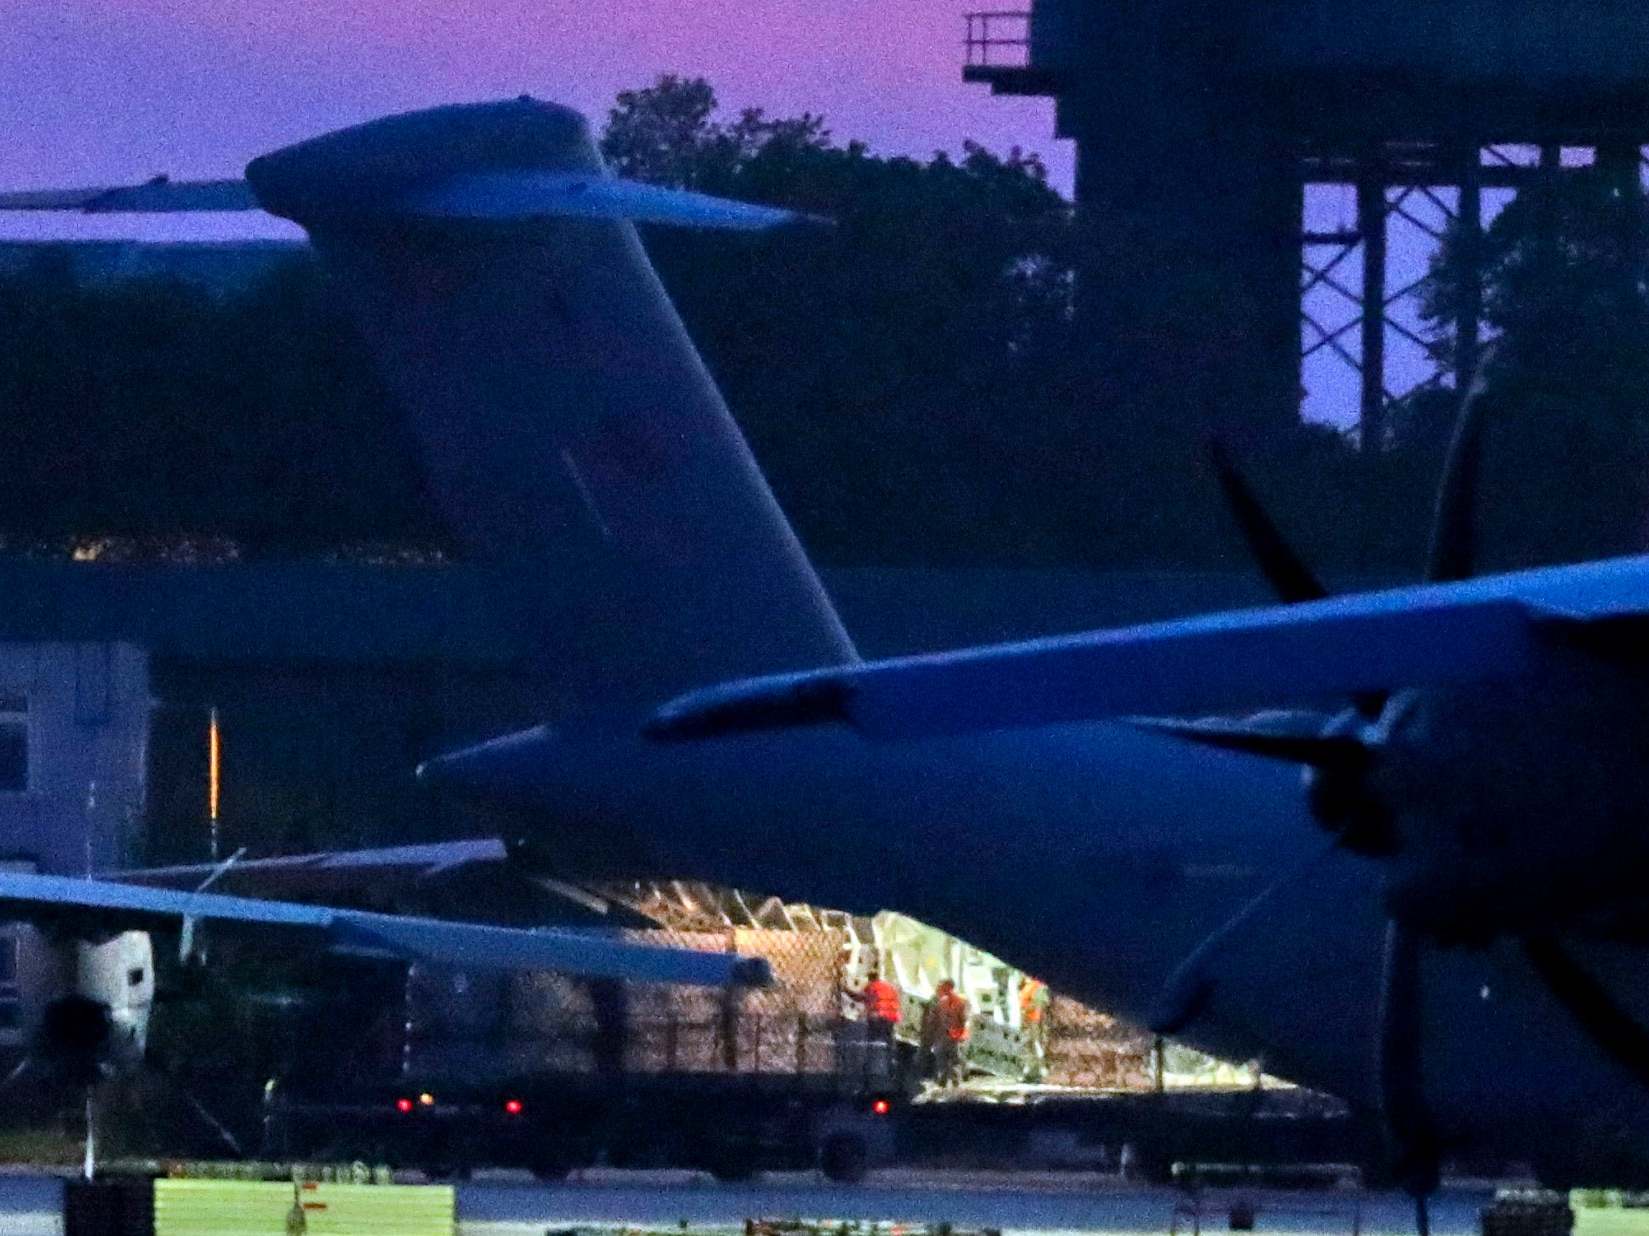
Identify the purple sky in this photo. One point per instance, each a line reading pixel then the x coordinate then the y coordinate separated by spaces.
pixel 102 89
pixel 105 91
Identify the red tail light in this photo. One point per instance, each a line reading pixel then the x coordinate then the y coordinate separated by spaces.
pixel 881 1107
pixel 403 1106
pixel 512 1107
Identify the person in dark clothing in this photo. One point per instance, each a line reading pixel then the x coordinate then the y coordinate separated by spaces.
pixel 947 1033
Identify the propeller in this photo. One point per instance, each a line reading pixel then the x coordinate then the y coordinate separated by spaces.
pixel 1341 760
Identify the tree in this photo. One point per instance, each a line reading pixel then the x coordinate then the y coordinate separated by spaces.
pixel 1564 290
pixel 895 372
pixel 154 415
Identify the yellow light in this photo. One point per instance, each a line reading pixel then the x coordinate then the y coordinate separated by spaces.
pixel 427 1099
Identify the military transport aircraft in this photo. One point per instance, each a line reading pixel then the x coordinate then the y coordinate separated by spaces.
pixel 1444 924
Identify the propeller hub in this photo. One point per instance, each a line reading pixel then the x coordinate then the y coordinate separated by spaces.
pixel 1515 807
pixel 1342 794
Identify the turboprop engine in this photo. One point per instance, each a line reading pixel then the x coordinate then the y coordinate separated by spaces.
pixel 98 1027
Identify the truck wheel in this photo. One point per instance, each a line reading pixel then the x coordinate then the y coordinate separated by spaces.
pixel 1147 1163
pixel 550 1168
pixel 552 1156
pixel 732 1166
pixel 844 1158
pixel 448 1171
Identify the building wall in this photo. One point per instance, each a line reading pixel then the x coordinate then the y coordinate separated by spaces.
pixel 73 746
pixel 73 758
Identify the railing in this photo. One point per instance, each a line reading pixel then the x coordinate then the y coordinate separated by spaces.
pixel 1000 39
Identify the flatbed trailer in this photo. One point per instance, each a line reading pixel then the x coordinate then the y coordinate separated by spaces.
pixel 730 1125
pixel 1156 1135
pixel 734 1126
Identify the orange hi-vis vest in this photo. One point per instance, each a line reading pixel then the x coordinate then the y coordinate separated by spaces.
pixel 953 1010
pixel 1030 1001
pixel 881 1000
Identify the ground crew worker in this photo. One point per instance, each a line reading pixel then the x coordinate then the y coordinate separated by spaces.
pixel 1033 1020
pixel 953 1021
pixel 882 1012
pixel 931 1040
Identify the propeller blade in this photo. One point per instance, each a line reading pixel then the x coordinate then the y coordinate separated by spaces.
pixel 1283 569
pixel 1399 1065
pixel 1608 1025
pixel 1186 994
pixel 23 1066
pixel 1453 551
pixel 1329 752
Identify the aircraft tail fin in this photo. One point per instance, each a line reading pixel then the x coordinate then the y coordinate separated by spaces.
pixel 569 428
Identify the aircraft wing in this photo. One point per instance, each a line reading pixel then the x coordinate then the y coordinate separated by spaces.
pixel 384 872
pixel 103 905
pixel 330 871
pixel 1216 663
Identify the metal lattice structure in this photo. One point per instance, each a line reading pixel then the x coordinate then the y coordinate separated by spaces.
pixel 1204 130
pixel 1356 312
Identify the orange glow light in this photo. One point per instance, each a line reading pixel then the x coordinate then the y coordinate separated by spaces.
pixel 214 776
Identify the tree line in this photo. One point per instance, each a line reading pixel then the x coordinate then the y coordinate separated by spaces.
pixel 915 380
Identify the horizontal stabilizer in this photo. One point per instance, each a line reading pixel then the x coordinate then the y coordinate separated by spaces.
pixel 526 195
pixel 153 197
pixel 504 196
pixel 102 905
pixel 1218 663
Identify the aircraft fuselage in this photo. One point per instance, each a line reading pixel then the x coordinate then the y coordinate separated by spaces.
pixel 1098 856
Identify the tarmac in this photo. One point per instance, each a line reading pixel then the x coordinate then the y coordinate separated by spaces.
pixel 1019 1204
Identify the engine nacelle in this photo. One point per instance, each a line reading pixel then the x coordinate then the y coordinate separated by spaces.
pixel 1517 808
pixel 99 1027
pixel 119 973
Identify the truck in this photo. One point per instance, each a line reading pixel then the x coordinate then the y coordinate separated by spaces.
pixel 553 1073
pixel 555 1124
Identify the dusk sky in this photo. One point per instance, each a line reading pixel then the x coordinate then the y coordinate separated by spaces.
pixel 107 89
